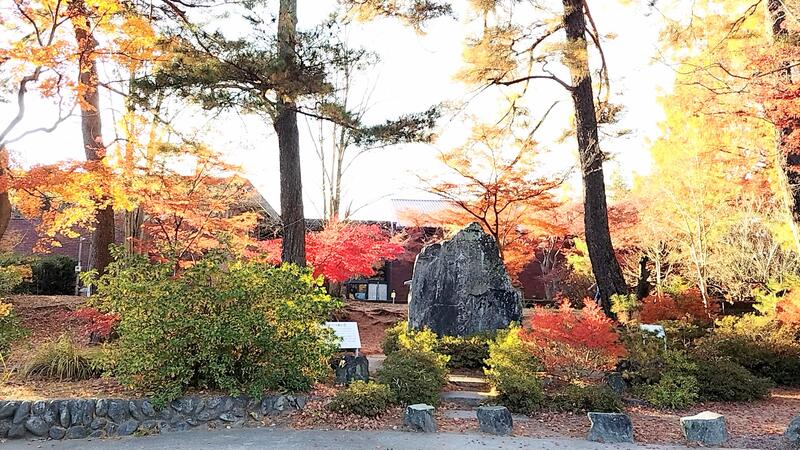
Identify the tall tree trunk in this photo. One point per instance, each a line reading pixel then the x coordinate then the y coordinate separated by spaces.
pixel 285 123
pixel 789 157
pixel 5 201
pixel 91 127
pixel 606 269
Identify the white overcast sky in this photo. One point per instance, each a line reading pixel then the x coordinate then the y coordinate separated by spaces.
pixel 415 72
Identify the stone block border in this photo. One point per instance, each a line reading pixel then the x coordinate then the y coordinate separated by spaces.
pixel 82 418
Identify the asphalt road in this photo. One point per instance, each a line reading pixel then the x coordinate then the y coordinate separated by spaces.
pixel 266 438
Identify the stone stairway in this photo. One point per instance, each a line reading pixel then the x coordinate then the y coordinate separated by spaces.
pixel 472 391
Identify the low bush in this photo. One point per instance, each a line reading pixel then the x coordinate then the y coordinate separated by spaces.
pixel 10 328
pixel 399 337
pixel 684 305
pixel 465 352
pixel 362 399
pixel 673 390
pixel 239 326
pixel 760 345
pixel 46 275
pixel 578 398
pixel 512 370
pixel 721 379
pixel 664 377
pixel 61 361
pixel 414 376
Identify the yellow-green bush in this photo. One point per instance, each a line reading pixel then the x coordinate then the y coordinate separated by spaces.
pixel 512 370
pixel 414 376
pixel 239 326
pixel 362 399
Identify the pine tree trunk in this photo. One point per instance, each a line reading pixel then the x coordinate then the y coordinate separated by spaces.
pixel 605 267
pixel 285 124
pixel 91 128
pixel 5 201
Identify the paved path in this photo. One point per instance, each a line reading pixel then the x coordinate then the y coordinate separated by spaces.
pixel 265 438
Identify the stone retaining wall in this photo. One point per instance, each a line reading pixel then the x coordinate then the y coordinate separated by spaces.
pixel 77 419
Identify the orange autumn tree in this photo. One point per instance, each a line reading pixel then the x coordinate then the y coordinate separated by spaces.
pixel 56 49
pixel 192 201
pixel 343 250
pixel 574 343
pixel 495 179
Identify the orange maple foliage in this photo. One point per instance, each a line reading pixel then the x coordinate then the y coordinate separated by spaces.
pixel 574 343
pixel 493 181
pixel 342 250
pixel 688 305
pixel 788 309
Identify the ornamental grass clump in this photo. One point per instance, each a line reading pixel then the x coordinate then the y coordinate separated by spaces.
pixel 61 360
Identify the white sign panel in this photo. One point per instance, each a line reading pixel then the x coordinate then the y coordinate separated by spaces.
pixel 348 331
pixel 657 330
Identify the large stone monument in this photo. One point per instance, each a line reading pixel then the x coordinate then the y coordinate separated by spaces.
pixel 460 287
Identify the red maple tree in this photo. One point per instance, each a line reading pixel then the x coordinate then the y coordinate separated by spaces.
pixel 342 250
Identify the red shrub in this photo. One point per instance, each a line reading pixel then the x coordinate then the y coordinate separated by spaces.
pixel 574 343
pixel 94 323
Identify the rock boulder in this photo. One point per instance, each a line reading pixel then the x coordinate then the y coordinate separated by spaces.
pixel 460 287
pixel 707 428
pixel 419 417
pixel 495 420
pixel 610 428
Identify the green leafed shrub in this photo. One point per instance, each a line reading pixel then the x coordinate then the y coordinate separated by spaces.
pixel 721 379
pixel 399 337
pixel 664 377
pixel 673 390
pixel 362 399
pixel 414 376
pixel 61 361
pixel 760 345
pixel 46 275
pixel 577 398
pixel 10 329
pixel 465 352
pixel 240 326
pixel 512 370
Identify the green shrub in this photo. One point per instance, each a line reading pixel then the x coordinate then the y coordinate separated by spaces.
pixel 47 275
pixel 465 352
pixel 674 390
pixel 10 329
pixel 664 377
pixel 624 306
pixel 239 326
pixel 512 370
pixel 399 337
pixel 362 399
pixel 61 361
pixel 724 380
pixel 414 376
pixel 577 398
pixel 683 334
pixel 758 344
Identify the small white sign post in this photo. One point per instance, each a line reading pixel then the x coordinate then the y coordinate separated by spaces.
pixel 348 332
